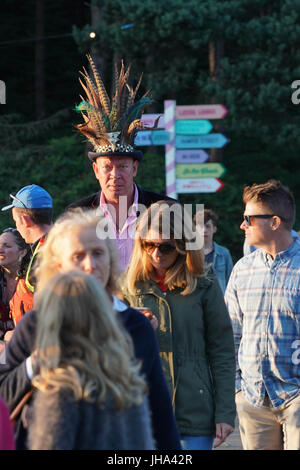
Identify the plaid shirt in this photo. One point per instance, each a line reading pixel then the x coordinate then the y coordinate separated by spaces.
pixel 263 300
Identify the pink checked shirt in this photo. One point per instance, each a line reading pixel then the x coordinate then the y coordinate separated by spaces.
pixel 125 236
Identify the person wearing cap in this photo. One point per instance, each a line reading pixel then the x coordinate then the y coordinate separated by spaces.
pixel 115 160
pixel 32 212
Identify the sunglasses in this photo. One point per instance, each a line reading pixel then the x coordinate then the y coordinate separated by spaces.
pixel 164 248
pixel 247 218
pixel 17 199
pixel 9 229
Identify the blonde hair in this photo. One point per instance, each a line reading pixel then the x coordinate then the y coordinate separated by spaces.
pixel 50 253
pixel 81 344
pixel 189 264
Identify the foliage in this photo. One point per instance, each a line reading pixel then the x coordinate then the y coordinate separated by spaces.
pixel 170 42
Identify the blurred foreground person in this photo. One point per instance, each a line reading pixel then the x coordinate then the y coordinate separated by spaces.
pixel 7 441
pixel 77 241
pixel 90 391
pixel 167 275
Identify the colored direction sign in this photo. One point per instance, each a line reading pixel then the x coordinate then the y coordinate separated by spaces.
pixel 204 170
pixel 152 138
pixel 149 120
pixel 143 138
pixel 196 126
pixel 191 156
pixel 198 185
pixel 160 137
pixel 201 111
pixel 201 141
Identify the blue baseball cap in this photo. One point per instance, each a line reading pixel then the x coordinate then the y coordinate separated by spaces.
pixel 30 197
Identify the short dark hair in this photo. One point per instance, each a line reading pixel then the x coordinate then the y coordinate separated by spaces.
pixel 208 214
pixel 38 216
pixel 277 197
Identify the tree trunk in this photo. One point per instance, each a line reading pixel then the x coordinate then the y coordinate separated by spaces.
pixel 40 61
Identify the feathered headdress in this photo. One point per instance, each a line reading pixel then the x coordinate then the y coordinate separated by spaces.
pixel 111 125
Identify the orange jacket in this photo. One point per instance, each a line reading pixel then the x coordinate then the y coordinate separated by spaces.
pixel 22 300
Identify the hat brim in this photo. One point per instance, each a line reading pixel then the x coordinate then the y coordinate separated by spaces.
pixel 136 155
pixel 5 208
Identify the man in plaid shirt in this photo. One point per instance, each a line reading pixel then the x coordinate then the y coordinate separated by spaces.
pixel 263 300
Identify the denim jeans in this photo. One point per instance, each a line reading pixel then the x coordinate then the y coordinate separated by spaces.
pixel 197 442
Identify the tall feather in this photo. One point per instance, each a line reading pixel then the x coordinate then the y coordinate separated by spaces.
pixel 102 115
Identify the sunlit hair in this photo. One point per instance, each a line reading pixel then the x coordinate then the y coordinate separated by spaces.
pixel 276 197
pixel 81 344
pixel 39 217
pixel 189 264
pixel 50 253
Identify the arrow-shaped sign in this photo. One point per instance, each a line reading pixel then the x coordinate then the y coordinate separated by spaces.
pixel 149 120
pixel 201 111
pixel 158 137
pixel 191 156
pixel 143 138
pixel 200 185
pixel 193 126
pixel 201 141
pixel 202 170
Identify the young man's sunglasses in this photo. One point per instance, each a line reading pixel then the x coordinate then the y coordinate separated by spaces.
pixel 164 248
pixel 247 218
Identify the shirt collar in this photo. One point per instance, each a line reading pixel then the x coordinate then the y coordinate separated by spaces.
pixel 119 306
pixel 103 202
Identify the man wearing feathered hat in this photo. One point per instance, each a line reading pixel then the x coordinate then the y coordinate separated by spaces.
pixel 111 127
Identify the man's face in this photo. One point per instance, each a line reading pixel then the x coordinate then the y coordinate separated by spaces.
pixel 115 175
pixel 83 250
pixel 259 233
pixel 208 232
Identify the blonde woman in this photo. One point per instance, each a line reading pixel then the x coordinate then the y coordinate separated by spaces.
pixel 90 391
pixel 166 274
pixel 78 241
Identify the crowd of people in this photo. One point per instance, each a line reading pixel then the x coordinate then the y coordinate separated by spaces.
pixel 126 326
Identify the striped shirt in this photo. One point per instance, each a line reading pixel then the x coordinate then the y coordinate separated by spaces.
pixel 263 300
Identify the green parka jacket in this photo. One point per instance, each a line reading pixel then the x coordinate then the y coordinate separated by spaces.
pixel 197 351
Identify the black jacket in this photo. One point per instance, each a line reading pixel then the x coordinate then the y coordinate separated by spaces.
pixel 14 382
pixel 144 197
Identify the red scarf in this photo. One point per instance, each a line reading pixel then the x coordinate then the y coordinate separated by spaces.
pixel 161 283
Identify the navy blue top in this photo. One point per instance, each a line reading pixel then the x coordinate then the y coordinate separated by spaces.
pixel 14 382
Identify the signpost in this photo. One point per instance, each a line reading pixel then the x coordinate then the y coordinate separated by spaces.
pixel 201 111
pixel 201 141
pixel 196 126
pixel 186 132
pixel 202 170
pixel 149 120
pixel 191 156
pixel 200 185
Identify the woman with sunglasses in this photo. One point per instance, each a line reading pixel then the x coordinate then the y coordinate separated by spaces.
pixel 13 251
pixel 167 275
